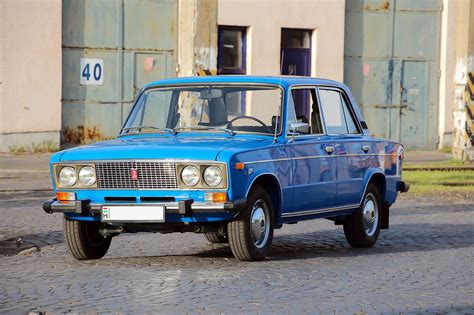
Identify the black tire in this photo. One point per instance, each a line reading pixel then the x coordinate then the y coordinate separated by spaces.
pixel 245 244
pixel 84 241
pixel 363 230
pixel 215 238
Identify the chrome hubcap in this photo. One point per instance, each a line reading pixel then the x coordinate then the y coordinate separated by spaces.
pixel 259 225
pixel 370 215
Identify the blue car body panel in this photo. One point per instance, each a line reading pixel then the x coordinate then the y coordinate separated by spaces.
pixel 311 183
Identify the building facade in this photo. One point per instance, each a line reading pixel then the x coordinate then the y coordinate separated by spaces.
pixel 83 62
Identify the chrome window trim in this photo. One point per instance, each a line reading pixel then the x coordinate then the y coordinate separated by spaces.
pixel 203 84
pixel 350 107
pixel 315 88
pixel 176 161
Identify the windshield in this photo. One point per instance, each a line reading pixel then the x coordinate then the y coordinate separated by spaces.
pixel 231 109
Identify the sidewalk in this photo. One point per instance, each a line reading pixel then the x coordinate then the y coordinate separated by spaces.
pixel 24 173
pixel 29 162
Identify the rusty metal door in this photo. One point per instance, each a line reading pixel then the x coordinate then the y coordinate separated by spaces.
pixel 110 50
pixel 391 65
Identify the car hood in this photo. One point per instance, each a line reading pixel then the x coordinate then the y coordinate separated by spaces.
pixel 161 147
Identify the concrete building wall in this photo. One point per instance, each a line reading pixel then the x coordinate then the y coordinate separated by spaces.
pixel 463 106
pixel 447 67
pixel 265 19
pixel 197 36
pixel 30 74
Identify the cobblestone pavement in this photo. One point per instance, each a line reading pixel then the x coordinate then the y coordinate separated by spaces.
pixel 422 264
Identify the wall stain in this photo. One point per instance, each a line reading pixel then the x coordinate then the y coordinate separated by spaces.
pixel 382 7
pixel 83 134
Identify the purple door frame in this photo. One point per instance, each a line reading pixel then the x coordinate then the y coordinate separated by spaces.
pixel 297 61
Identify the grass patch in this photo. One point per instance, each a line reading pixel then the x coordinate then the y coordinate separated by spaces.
pixel 43 147
pixel 450 163
pixel 425 182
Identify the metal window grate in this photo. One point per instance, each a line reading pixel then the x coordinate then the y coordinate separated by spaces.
pixel 151 175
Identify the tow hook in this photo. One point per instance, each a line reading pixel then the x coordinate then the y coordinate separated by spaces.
pixel 110 230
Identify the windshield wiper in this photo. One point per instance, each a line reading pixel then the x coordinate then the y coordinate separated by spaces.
pixel 229 131
pixel 148 127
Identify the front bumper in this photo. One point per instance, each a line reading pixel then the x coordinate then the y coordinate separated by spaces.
pixel 184 207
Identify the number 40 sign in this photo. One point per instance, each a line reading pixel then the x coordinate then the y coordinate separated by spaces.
pixel 92 71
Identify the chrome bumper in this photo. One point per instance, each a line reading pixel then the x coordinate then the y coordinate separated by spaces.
pixel 184 207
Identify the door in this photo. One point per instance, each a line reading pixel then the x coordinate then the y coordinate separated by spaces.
pixel 110 50
pixel 313 159
pixel 352 150
pixel 413 98
pixel 385 40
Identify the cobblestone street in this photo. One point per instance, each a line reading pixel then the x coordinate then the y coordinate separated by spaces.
pixel 423 263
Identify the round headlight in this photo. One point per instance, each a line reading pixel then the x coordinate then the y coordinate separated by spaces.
pixel 87 176
pixel 213 176
pixel 190 175
pixel 67 176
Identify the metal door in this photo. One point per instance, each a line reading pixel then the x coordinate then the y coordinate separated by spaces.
pixel 110 50
pixel 387 43
pixel 413 114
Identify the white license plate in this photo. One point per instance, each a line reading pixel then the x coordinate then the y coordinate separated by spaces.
pixel 133 214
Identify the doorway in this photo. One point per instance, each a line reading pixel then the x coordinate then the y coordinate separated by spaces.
pixel 295 59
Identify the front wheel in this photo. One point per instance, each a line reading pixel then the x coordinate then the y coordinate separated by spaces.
pixel 250 235
pixel 84 241
pixel 362 228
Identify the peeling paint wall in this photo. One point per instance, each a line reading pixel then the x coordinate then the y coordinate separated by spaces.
pixel 197 37
pixel 463 113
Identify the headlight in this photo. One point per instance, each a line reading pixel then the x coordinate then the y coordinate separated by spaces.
pixel 87 176
pixel 190 175
pixel 213 176
pixel 67 176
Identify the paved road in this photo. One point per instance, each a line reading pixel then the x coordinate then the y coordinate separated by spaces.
pixel 424 263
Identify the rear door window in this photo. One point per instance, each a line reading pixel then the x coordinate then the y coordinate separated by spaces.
pixel 337 115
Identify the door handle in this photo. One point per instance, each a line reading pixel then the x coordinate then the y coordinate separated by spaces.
pixel 329 149
pixel 365 148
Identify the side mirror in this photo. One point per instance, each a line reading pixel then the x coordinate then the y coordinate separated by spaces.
pixel 299 127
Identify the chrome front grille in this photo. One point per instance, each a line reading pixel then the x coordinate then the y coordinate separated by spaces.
pixel 151 175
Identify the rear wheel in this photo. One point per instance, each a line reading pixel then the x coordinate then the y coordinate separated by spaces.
pixel 216 238
pixel 362 228
pixel 251 234
pixel 84 241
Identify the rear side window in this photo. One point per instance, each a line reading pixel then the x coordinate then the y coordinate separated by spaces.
pixel 336 113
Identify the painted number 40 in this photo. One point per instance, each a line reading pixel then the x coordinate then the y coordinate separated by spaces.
pixel 92 71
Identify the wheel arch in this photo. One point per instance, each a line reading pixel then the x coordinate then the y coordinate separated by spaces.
pixel 379 180
pixel 272 185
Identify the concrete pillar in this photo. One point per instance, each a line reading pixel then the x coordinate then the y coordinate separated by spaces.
pixel 30 75
pixel 463 144
pixel 197 42
pixel 447 66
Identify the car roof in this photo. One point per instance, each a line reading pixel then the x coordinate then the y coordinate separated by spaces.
pixel 283 80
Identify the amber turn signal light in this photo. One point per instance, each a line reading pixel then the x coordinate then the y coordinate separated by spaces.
pixel 216 197
pixel 239 166
pixel 65 196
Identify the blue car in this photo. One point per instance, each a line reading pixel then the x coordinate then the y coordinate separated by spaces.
pixel 234 158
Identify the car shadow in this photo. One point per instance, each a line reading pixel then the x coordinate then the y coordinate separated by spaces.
pixel 407 237
pixel 331 243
